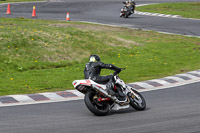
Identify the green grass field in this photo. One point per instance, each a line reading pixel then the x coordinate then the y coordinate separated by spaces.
pixel 44 55
pixel 10 1
pixel 188 10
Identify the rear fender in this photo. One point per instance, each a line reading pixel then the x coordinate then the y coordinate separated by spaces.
pixel 82 85
pixel 85 85
pixel 85 82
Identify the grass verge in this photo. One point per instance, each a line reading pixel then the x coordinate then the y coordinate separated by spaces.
pixel 10 1
pixel 188 10
pixel 46 55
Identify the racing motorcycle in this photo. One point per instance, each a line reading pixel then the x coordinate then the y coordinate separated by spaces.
pixel 125 11
pixel 99 102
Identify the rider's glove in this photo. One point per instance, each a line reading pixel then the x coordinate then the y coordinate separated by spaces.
pixel 118 70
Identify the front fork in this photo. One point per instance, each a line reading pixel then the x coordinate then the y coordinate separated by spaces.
pixel 130 92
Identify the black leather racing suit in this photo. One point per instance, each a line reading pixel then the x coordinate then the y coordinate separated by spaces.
pixel 131 5
pixel 93 69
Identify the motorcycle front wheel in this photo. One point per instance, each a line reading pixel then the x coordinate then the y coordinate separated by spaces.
pixel 97 108
pixel 137 102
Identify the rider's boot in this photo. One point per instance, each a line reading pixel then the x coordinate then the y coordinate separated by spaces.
pixel 121 96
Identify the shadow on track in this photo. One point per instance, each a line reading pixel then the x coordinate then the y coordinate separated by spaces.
pixel 132 17
pixel 124 111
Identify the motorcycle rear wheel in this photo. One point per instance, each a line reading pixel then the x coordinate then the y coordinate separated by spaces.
pixel 126 15
pixel 137 103
pixel 97 108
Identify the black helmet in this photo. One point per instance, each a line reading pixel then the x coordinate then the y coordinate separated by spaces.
pixel 94 58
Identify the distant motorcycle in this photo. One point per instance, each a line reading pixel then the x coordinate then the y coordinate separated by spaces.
pixel 126 11
pixel 99 102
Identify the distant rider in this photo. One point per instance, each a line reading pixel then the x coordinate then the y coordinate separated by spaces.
pixel 131 5
pixel 93 69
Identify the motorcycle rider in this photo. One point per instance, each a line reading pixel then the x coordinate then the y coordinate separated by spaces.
pixel 131 5
pixel 92 71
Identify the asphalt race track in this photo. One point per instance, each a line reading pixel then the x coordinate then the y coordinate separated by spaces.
pixel 106 12
pixel 174 110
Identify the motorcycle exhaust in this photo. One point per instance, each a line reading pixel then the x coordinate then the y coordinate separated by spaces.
pixel 105 93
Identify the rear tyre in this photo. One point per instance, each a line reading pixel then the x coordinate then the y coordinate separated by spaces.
pixel 97 108
pixel 126 15
pixel 137 102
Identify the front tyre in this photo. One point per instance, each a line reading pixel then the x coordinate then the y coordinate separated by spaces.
pixel 97 108
pixel 137 102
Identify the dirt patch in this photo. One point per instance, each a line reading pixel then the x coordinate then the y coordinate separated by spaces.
pixel 92 27
pixel 123 42
pixel 8 24
pixel 184 70
pixel 198 43
pixel 63 54
pixel 128 41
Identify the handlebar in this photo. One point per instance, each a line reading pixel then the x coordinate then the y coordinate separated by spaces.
pixel 115 73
